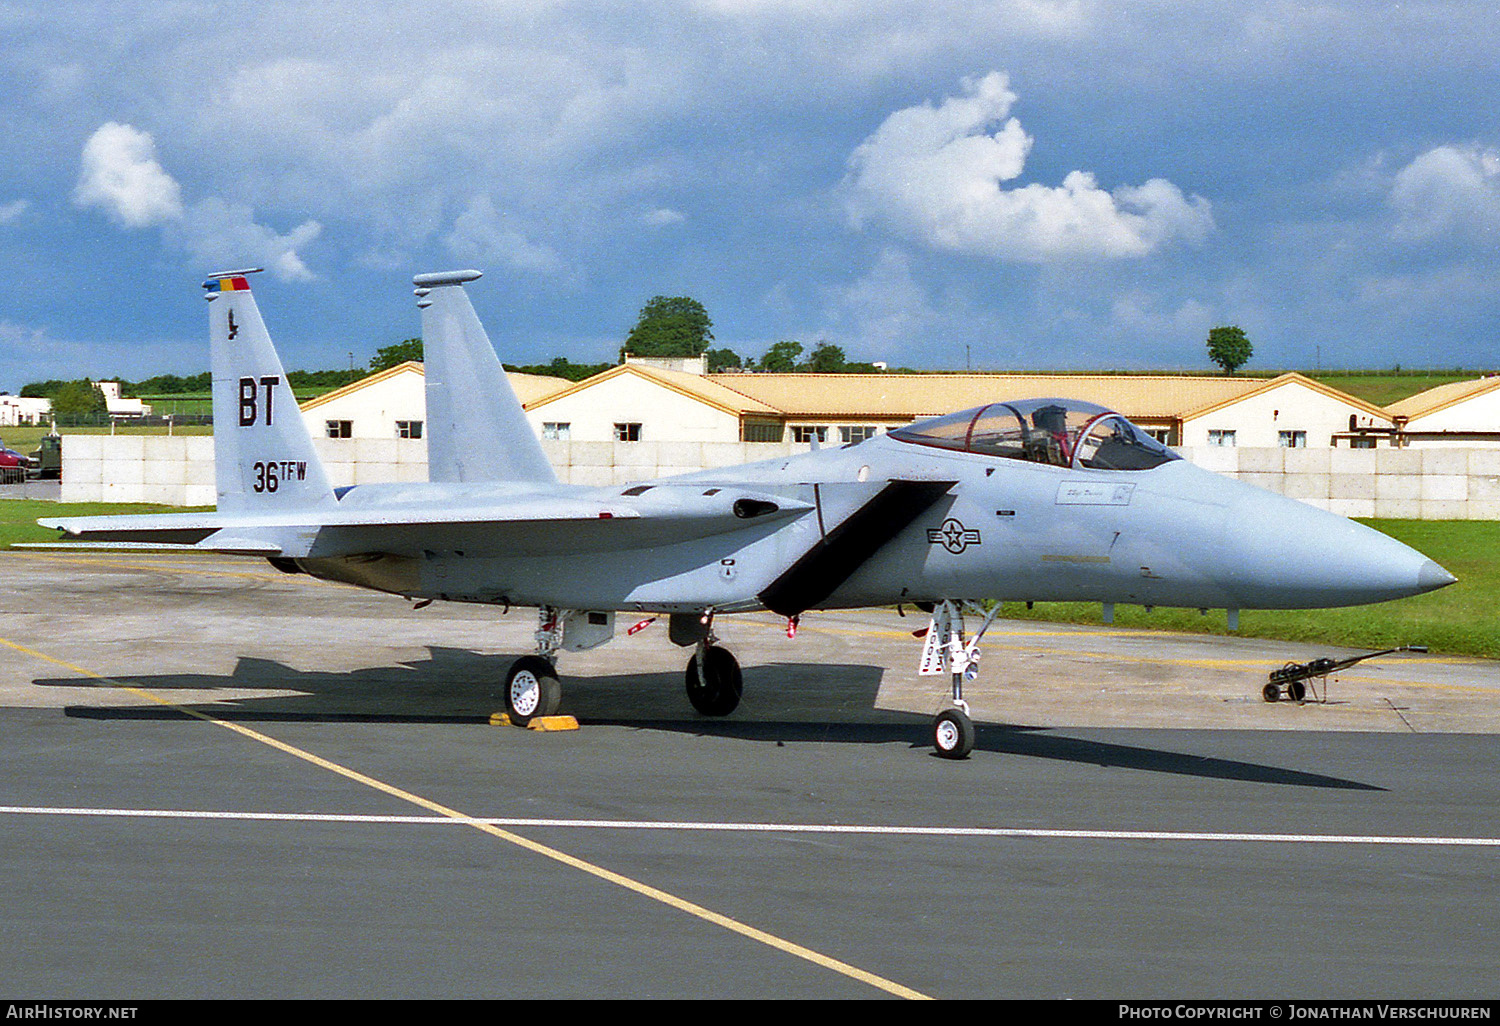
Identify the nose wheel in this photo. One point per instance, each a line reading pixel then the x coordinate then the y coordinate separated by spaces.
pixel 953 734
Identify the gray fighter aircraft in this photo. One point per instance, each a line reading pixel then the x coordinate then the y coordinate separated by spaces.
pixel 1041 499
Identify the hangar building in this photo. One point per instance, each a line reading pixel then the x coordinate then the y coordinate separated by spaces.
pixel 393 403
pixel 1465 413
pixel 637 402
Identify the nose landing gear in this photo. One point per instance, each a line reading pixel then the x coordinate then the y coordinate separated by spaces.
pixel 947 650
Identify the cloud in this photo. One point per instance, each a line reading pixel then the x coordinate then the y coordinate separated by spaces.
pixel 482 234
pixel 934 175
pixel 120 174
pixel 12 210
pixel 1449 191
pixel 222 234
pixel 663 216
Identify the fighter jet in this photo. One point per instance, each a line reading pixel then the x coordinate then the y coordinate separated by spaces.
pixel 1027 500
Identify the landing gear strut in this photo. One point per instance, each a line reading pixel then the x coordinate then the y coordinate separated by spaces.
pixel 714 682
pixel 532 689
pixel 949 651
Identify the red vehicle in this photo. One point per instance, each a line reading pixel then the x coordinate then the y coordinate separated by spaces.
pixel 14 467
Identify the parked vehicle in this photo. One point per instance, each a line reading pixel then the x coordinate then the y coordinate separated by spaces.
pixel 46 462
pixel 14 468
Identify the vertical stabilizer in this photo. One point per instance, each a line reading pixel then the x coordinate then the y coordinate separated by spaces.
pixel 264 459
pixel 476 429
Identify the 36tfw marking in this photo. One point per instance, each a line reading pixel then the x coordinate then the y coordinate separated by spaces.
pixel 270 474
pixel 1021 833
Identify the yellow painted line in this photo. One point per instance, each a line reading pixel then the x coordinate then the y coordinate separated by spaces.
pixel 1432 685
pixel 556 855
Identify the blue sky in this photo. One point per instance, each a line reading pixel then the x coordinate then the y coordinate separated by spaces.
pixel 1038 184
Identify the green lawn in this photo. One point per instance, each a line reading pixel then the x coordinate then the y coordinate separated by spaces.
pixel 1384 389
pixel 1458 620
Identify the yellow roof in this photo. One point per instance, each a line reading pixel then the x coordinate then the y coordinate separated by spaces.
pixel 705 389
pixel 1441 397
pixel 529 387
pixel 907 396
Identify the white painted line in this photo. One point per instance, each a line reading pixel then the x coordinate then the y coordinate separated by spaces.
pixel 768 828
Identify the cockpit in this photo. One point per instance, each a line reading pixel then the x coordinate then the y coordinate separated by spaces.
pixel 1060 432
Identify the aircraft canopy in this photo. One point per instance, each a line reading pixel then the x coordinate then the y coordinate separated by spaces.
pixel 1062 432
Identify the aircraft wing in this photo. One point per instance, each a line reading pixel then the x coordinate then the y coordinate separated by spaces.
pixel 528 524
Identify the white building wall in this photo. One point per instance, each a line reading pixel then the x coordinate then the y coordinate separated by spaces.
pixel 373 411
pixel 664 415
pixel 1257 420
pixel 1428 484
pixel 1479 413
pixel 15 411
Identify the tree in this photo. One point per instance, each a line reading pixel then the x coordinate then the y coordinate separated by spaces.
pixel 1229 348
pixel 782 357
pixel 670 326
pixel 723 359
pixel 390 356
pixel 78 397
pixel 826 359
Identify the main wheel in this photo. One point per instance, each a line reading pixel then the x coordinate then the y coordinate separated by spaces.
pixel 1271 692
pixel 1296 691
pixel 531 690
pixel 718 692
pixel 953 734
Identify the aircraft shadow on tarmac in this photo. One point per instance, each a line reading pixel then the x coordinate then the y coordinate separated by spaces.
pixel 824 703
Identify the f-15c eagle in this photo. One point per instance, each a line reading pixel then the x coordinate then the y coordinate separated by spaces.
pixel 1040 499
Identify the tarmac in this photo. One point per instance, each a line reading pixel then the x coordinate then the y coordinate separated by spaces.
pixel 222 781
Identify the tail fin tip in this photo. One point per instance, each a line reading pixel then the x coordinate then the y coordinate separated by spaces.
pixel 436 279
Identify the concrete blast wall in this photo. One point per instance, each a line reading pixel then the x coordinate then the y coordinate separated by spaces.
pixel 1428 484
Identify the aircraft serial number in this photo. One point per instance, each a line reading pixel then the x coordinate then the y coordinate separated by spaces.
pixel 269 475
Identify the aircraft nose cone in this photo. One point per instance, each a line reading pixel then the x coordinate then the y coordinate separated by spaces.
pixel 1431 577
pixel 1294 556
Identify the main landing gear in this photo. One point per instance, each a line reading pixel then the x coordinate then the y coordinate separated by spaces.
pixel 714 682
pixel 713 678
pixel 532 689
pixel 948 651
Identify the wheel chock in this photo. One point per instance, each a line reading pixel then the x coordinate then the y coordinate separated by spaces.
pixel 501 719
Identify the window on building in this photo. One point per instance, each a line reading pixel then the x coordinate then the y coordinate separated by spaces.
pixel 761 431
pixel 558 431
pixel 340 428
pixel 1292 439
pixel 806 432
pixel 1162 435
pixel 856 432
pixel 1220 437
pixel 1361 443
pixel 408 429
pixel 627 432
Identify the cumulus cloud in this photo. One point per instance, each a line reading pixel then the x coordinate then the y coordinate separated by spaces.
pixel 935 174
pixel 485 235
pixel 121 175
pixel 1449 191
